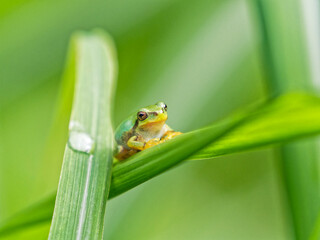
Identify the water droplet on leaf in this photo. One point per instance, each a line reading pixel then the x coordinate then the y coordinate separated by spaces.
pixel 81 142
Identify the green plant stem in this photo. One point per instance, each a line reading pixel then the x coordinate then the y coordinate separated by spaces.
pixel 86 171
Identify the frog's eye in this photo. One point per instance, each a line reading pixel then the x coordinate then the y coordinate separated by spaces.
pixel 165 107
pixel 142 115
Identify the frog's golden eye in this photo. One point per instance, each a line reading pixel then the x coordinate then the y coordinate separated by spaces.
pixel 142 115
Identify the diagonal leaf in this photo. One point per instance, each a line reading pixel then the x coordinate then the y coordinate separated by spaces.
pixel 86 171
pixel 289 117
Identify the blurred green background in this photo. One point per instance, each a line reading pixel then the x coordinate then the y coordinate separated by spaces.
pixel 201 57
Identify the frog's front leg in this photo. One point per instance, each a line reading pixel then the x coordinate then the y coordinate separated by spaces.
pixel 136 142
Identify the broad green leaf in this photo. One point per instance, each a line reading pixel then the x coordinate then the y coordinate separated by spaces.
pixel 286 118
pixel 86 170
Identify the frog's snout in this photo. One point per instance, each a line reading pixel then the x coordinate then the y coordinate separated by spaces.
pixel 163 116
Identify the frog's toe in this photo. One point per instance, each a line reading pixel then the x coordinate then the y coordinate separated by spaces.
pixel 152 142
pixel 169 135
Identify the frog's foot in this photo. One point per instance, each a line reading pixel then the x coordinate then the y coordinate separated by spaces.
pixel 136 142
pixel 152 142
pixel 169 135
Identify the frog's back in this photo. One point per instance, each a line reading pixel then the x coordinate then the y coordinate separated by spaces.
pixel 124 131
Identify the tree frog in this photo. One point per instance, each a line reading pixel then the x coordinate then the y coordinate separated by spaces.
pixel 143 129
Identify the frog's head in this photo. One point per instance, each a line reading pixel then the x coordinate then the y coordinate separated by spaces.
pixel 152 117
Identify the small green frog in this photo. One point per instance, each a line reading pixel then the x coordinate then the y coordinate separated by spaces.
pixel 142 130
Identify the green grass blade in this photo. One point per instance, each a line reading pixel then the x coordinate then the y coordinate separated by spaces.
pixel 287 118
pixel 86 171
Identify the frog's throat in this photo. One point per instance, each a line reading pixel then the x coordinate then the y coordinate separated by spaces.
pixel 152 126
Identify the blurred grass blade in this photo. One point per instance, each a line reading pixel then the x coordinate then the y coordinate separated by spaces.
pixel 269 124
pixel 86 171
pixel 288 68
pixel 315 234
pixel 32 215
